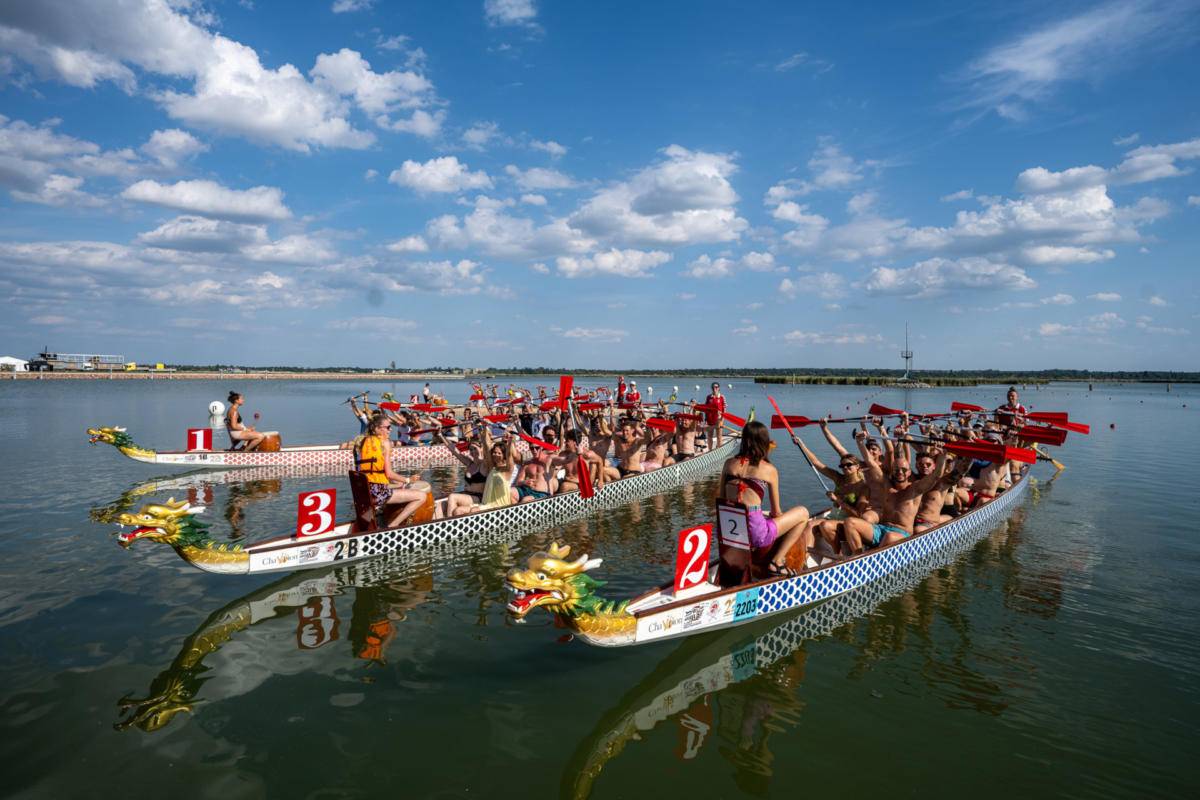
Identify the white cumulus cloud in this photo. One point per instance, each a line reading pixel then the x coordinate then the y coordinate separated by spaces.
pixel 624 263
pixel 445 174
pixel 210 199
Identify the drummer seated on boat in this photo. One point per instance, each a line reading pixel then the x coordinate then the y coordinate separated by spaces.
pixel 390 494
pixel 238 430
pixel 751 479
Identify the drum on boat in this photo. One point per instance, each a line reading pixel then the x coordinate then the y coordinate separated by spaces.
pixel 425 512
pixel 271 444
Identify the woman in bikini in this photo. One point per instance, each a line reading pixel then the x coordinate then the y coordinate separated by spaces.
pixel 500 460
pixel 751 479
pixel 238 430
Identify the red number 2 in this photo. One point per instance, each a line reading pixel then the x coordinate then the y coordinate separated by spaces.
pixel 691 557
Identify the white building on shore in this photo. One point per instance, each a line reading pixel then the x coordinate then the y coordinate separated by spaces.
pixel 10 364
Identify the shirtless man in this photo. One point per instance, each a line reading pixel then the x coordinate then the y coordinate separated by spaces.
pixel 600 438
pixel 684 440
pixel 629 445
pixel 899 496
pixel 534 481
pixel 570 460
pixel 990 478
pixel 658 444
pixel 929 513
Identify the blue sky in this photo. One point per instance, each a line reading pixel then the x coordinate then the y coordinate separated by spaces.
pixel 602 184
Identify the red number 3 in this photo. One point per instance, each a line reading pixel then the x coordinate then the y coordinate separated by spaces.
pixel 315 514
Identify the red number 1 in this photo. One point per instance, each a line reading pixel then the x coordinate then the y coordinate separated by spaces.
pixel 199 439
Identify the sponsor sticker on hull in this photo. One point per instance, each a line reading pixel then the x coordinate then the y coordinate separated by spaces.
pixel 704 613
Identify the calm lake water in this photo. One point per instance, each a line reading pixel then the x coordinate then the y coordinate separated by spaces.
pixel 1057 655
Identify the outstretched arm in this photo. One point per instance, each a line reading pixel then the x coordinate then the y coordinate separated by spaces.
pixel 833 440
pixel 832 474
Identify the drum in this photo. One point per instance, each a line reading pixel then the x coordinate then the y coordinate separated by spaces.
pixel 271 444
pixel 425 512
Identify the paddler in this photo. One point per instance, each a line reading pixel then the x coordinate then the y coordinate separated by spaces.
pixel 897 495
pixel 633 396
pixel 389 491
pixel 1012 413
pixel 713 415
pixel 238 430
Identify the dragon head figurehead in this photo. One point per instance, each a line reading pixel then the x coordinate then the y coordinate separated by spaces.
pixel 170 522
pixel 560 586
pixel 120 439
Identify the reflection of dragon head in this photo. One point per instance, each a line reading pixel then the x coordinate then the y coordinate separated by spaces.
pixel 174 523
pixel 120 439
pixel 154 712
pixel 563 588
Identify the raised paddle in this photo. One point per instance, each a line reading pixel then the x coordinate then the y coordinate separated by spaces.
pixel 739 421
pixel 1036 433
pixel 796 439
pixel 660 424
pixel 1074 427
pixel 1048 416
pixel 539 442
pixel 957 406
pixel 989 451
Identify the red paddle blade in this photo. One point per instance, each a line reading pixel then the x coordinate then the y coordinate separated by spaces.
pixel 502 402
pixel 660 424
pixel 780 415
pixel 390 406
pixel 591 406
pixel 739 421
pixel 1048 416
pixel 476 396
pixel 989 451
pixel 497 417
pixel 1036 433
pixel 790 421
pixel 566 385
pixel 462 447
pixel 628 405
pixel 1055 421
pixel 550 405
pixel 705 407
pixel 586 490
pixel 957 406
pixel 448 422
pixel 539 443
pixel 877 410
pixel 422 407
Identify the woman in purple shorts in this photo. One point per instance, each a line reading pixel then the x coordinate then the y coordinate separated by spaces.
pixel 751 479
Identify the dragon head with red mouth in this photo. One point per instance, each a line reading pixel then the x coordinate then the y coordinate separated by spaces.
pixel 558 585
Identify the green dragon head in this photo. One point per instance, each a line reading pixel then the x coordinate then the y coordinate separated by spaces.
pixel 558 585
pixel 120 439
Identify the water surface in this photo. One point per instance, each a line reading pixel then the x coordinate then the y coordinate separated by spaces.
pixel 1056 655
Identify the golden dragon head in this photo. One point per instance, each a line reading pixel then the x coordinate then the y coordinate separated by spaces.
pixel 120 439
pixel 561 586
pixel 168 522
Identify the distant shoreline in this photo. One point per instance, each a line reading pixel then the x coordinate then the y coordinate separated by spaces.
pixel 357 377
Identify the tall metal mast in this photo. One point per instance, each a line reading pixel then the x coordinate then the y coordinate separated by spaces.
pixel 907 355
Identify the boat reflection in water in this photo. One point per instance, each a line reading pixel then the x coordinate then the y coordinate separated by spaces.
pixel 741 687
pixel 381 600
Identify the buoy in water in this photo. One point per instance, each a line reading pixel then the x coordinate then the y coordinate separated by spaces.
pixel 1112 426
pixel 257 415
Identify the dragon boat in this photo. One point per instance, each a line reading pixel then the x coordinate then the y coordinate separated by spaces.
pixel 684 684
pixel 330 457
pixel 565 588
pixel 178 524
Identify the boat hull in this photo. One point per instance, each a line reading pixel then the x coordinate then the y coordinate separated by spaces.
pixel 341 545
pixel 324 457
pixel 740 605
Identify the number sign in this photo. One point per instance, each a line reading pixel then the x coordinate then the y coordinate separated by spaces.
pixel 315 515
pixel 732 526
pixel 199 439
pixel 691 557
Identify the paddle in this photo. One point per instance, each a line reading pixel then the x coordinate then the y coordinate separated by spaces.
pixel 497 417
pixel 660 424
pixel 957 406
pixel 990 451
pixel 538 442
pixel 1058 465
pixel 591 406
pixel 796 439
pixel 1053 419
pixel 739 421
pixel 1034 433
pixel 390 406
pixel 584 470
pixel 352 398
